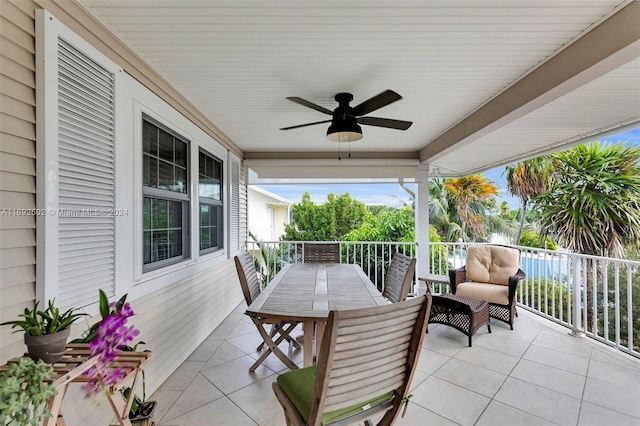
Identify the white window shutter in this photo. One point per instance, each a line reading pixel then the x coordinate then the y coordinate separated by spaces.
pixel 86 178
pixel 234 204
pixel 244 218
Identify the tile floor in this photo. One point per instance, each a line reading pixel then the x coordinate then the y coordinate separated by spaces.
pixel 537 374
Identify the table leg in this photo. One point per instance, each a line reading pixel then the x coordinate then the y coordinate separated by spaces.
pixel 319 335
pixel 273 346
pixel 309 331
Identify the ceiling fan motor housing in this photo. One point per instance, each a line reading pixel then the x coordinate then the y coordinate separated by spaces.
pixel 344 127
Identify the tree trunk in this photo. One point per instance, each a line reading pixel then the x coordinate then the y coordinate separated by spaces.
pixel 523 211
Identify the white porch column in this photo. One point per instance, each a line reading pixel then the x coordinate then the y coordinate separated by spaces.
pixel 422 225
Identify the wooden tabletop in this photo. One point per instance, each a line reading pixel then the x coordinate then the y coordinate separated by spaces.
pixel 307 291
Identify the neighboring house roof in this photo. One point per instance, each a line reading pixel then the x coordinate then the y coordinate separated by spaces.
pixel 277 199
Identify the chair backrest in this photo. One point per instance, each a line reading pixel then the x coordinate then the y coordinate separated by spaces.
pixel 492 264
pixel 248 276
pixel 367 353
pixel 398 278
pixel 321 252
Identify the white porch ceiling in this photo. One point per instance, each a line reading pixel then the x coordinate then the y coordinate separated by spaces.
pixel 236 61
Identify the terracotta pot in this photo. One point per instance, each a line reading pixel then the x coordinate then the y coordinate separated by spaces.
pixel 49 347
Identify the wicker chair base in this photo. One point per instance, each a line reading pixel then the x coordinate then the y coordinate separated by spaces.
pixel 462 313
pixel 504 313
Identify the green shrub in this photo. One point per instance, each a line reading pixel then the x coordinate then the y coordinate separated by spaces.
pixel 24 391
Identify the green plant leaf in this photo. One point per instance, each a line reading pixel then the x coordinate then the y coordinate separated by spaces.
pixel 49 321
pixel 104 304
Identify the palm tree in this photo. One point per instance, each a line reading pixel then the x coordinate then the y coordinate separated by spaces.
pixel 526 180
pixel 439 210
pixel 470 195
pixel 593 206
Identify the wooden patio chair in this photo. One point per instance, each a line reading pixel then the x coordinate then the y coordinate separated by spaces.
pixel 365 366
pixel 491 273
pixel 279 329
pixel 321 252
pixel 399 277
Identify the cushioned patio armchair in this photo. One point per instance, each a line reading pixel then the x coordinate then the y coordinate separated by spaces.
pixel 491 273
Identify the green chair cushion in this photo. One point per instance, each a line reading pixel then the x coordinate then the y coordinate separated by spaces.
pixel 299 385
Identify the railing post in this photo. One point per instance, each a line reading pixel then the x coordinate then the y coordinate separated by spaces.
pixel 576 329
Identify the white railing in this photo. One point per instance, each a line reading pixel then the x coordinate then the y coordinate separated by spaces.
pixel 605 291
pixel 589 294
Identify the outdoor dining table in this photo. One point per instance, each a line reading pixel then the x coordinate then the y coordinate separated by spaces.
pixel 306 292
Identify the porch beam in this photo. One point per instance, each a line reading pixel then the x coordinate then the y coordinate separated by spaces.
pixel 331 155
pixel 611 44
pixel 334 168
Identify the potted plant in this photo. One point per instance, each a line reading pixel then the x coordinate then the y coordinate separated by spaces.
pixel 106 338
pixel 46 332
pixel 141 411
pixel 23 392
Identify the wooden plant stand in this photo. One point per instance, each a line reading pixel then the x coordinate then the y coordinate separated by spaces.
pixel 71 368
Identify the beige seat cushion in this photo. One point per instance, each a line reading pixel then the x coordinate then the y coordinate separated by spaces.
pixel 490 292
pixel 492 264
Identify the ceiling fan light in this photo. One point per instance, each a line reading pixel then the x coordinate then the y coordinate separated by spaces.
pixel 344 131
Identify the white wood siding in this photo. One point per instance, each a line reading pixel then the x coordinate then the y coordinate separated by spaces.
pixel 17 168
pixel 267 215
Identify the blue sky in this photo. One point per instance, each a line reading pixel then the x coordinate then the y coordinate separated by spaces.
pixel 391 194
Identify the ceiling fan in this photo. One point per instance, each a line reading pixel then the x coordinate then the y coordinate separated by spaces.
pixel 346 119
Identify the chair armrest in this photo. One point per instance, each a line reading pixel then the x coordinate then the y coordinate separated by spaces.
pixel 513 283
pixel 457 276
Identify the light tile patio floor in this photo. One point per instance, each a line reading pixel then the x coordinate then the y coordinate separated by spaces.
pixel 537 374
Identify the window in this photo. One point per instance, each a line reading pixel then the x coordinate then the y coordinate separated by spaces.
pixel 165 196
pixel 210 196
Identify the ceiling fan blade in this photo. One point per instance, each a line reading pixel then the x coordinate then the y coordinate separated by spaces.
pixel 310 105
pixel 305 125
pixel 385 122
pixel 383 99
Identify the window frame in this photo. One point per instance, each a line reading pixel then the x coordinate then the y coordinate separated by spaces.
pixel 166 194
pixel 207 201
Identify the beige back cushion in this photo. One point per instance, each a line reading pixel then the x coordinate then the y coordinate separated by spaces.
pixel 492 264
